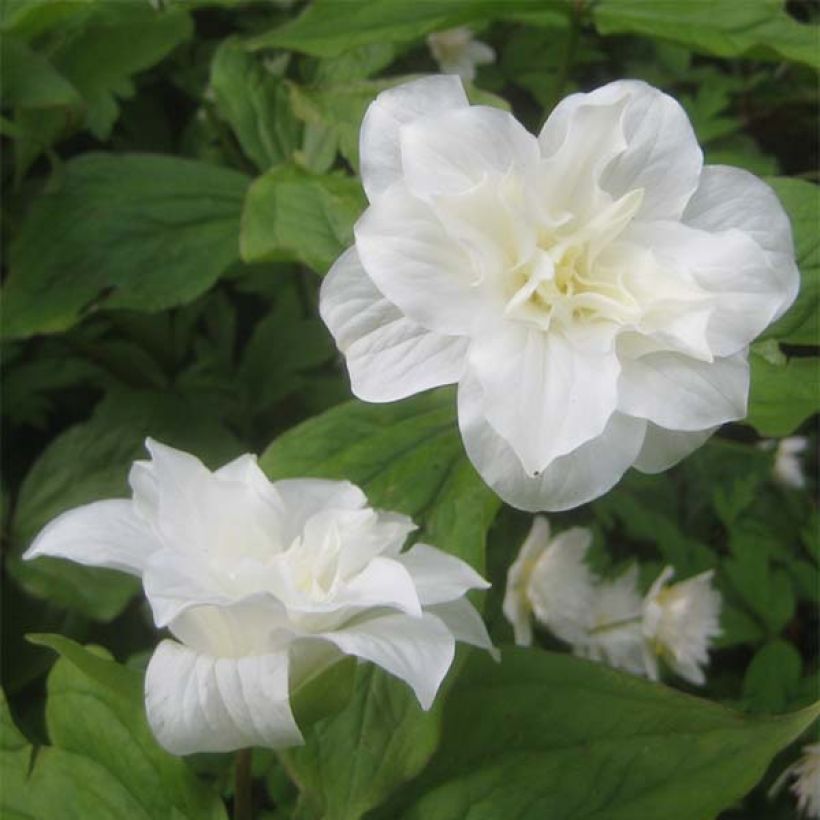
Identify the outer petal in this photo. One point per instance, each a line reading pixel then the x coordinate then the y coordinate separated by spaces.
pixel 733 198
pixel 388 356
pixel 467 626
pixel 417 650
pixel 680 393
pixel 438 576
pixel 542 394
pixel 419 267
pixel 452 152
pixel 197 703
pixel 379 152
pixel 569 481
pixel 103 534
pixel 662 448
pixel 656 135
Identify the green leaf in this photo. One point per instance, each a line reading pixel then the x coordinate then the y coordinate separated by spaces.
pixel 782 396
pixel 15 760
pixel 104 761
pixel 291 214
pixel 407 457
pixel 29 80
pixel 324 693
pixel 760 29
pixel 772 678
pixel 801 200
pixel 91 461
pixel 328 28
pixel 542 735
pixel 130 231
pixel 256 103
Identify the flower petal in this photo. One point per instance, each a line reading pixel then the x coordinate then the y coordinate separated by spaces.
pixel 417 650
pixel 384 582
pixel 438 576
pixel 102 534
pixel 198 703
pixel 680 393
pixel 417 266
pixel 662 448
pixel 379 152
pixel 542 394
pixel 451 152
pixel 467 626
pixel 569 481
pixel 388 356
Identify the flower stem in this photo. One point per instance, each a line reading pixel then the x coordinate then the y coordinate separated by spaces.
pixel 242 802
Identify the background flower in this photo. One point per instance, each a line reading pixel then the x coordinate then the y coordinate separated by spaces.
pixel 592 291
pixel 457 52
pixel 263 585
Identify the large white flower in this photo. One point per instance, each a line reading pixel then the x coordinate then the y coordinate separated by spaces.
pixel 264 584
pixel 592 291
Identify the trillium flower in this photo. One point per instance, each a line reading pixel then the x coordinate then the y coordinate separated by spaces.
pixel 262 585
pixel 680 622
pixel 592 291
pixel 457 52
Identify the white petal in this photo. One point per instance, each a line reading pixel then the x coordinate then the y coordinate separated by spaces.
pixel 438 576
pixel 417 266
pixel 680 393
pixel 102 534
pixel 662 448
pixel 388 356
pixel 451 152
pixel 379 153
pixel 417 650
pixel 733 198
pixel 569 481
pixel 197 703
pixel 543 395
pixel 467 626
pixel 656 136
pixel 383 582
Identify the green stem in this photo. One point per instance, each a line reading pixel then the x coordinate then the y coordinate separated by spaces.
pixel 242 797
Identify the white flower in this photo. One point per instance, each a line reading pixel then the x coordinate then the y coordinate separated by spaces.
pixel 788 470
pixel 806 786
pixel 264 584
pixel 591 291
pixel 457 52
pixel 679 623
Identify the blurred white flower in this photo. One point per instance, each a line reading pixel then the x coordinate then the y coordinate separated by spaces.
pixel 806 786
pixel 679 623
pixel 592 291
pixel 457 52
pixel 788 468
pixel 263 585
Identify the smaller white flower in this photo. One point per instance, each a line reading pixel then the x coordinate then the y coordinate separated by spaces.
pixel 457 52
pixel 550 580
pixel 262 585
pixel 788 469
pixel 806 786
pixel 679 623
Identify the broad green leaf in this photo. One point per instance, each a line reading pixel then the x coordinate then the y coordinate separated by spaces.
pixel 542 735
pixel 407 457
pixel 291 214
pixel 328 28
pixel 91 461
pixel 256 103
pixel 15 759
pixel 782 396
pixel 325 693
pixel 801 200
pixel 104 761
pixel 28 79
pixel 772 678
pixel 29 18
pixel 726 28
pixel 128 231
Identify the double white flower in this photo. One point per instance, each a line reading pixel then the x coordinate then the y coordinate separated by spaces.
pixel 592 291
pixel 263 585
pixel 609 621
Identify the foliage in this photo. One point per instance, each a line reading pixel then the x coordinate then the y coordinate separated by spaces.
pixel 179 176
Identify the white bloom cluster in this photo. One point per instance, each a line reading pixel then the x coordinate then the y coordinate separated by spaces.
pixel 806 786
pixel 263 585
pixel 610 621
pixel 592 291
pixel 458 52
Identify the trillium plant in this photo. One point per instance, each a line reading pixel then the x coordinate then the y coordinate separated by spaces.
pixel 410 410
